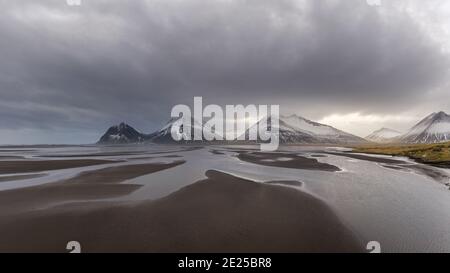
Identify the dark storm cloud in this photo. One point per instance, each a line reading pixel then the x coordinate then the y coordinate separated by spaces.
pixel 106 61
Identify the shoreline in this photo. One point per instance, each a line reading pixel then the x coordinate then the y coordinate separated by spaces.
pixel 397 164
pixel 435 154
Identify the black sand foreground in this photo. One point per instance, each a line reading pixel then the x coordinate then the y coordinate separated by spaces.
pixel 10 178
pixel 8 167
pixel 294 161
pixel 221 213
pixel 88 185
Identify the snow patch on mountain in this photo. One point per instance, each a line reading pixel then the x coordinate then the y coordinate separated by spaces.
pixel 303 124
pixel 164 135
pixel 122 134
pixel 383 135
pixel 434 128
pixel 296 129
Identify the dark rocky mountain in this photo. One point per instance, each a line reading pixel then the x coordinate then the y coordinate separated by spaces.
pixel 125 134
pixel 122 134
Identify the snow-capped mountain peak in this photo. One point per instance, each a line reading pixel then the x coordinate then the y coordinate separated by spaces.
pixel 432 129
pixel 383 135
pixel 292 129
pixel 303 124
pixel 296 129
pixel 121 134
pixel 165 133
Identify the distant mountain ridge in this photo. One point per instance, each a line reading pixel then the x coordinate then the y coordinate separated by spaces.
pixel 292 129
pixel 295 129
pixel 125 134
pixel 383 135
pixel 434 128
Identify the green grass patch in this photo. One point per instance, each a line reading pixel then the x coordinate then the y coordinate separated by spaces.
pixel 427 153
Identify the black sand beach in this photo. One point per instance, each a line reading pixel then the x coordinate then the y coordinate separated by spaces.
pixel 222 213
pixel 292 161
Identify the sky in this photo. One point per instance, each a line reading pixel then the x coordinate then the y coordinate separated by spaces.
pixel 67 73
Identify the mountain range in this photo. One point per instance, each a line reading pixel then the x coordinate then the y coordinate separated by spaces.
pixel 434 128
pixel 298 130
pixel 383 135
pixel 125 134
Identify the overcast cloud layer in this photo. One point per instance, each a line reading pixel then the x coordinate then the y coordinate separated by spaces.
pixel 67 73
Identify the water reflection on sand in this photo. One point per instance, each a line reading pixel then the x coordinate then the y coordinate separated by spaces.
pixel 404 208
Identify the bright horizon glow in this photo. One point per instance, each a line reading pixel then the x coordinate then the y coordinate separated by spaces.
pixel 363 124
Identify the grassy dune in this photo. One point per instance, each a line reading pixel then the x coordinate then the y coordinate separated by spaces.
pixel 438 154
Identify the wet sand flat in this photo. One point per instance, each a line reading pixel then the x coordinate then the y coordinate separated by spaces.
pixel 222 213
pixel 369 158
pixel 395 164
pixel 15 150
pixel 7 167
pixel 393 167
pixel 216 152
pixel 318 156
pixel 19 177
pixel 89 185
pixel 294 161
pixel 121 153
pixel 3 157
pixel 286 183
pixel 434 173
pixel 153 157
